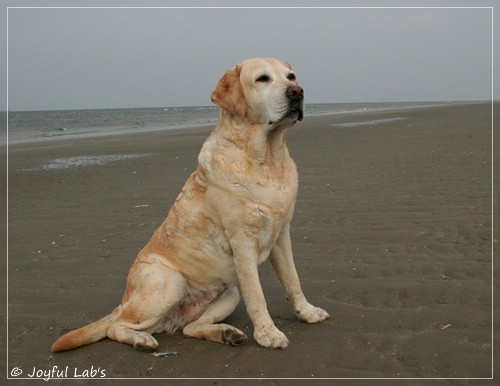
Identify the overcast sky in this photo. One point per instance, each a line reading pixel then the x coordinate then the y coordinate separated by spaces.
pixel 122 57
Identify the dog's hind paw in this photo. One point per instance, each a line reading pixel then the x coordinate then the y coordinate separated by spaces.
pixel 233 337
pixel 145 342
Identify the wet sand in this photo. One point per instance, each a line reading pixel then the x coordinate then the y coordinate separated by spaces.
pixel 391 235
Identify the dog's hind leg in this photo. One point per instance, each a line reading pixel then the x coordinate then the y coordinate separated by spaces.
pixel 153 289
pixel 207 326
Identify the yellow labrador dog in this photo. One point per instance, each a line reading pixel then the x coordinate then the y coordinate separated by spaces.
pixel 233 213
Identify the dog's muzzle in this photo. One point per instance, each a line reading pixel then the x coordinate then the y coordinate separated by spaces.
pixel 295 95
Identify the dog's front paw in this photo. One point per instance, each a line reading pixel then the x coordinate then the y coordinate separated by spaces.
pixel 311 314
pixel 271 338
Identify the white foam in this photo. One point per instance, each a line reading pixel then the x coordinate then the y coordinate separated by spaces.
pixel 86 160
pixel 368 123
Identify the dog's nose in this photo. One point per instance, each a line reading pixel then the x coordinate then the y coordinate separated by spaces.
pixel 295 93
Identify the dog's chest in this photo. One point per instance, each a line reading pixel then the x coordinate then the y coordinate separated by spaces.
pixel 275 198
pixel 252 198
pixel 268 208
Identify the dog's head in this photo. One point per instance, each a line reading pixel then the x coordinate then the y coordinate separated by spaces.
pixel 261 90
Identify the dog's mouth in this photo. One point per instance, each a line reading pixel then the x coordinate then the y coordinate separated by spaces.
pixel 292 114
pixel 296 112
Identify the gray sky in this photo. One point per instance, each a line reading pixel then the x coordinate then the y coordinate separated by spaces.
pixel 106 58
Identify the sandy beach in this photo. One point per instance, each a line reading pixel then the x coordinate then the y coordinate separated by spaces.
pixel 391 234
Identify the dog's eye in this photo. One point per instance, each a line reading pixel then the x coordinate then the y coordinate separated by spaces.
pixel 263 79
pixel 291 76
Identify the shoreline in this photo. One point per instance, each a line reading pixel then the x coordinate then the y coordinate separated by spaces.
pixel 122 132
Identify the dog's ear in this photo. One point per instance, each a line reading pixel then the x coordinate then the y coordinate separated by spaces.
pixel 229 95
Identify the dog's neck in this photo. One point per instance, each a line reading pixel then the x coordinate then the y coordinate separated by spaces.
pixel 263 143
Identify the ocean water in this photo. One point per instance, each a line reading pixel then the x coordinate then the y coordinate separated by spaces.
pixel 35 126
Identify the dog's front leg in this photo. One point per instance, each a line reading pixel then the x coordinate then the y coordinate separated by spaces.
pixel 281 258
pixel 246 262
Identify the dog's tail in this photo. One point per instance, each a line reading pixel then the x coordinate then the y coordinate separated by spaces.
pixel 88 334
